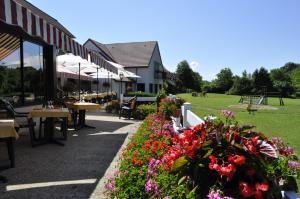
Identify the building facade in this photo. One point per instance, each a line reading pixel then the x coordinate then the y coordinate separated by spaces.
pixel 141 58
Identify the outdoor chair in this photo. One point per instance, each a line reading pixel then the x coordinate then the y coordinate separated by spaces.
pixel 20 117
pixel 128 108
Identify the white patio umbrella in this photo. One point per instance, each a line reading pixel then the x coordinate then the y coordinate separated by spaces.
pixel 121 69
pixel 70 59
pixel 105 74
pixel 74 61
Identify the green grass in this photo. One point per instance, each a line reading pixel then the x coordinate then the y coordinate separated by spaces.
pixel 284 122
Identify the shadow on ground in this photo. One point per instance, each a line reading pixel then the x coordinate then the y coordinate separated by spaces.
pixel 71 171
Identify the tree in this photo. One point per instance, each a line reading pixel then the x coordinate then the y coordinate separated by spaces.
pixel 261 78
pixel 197 81
pixel 187 78
pixel 295 77
pixel 224 80
pixel 242 85
pixel 282 81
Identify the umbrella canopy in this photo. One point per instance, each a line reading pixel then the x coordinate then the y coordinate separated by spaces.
pixel 121 69
pixel 70 59
pixel 104 74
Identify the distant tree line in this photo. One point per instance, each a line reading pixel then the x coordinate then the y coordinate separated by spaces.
pixel 284 81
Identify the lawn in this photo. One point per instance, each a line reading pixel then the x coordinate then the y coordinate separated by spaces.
pixel 284 122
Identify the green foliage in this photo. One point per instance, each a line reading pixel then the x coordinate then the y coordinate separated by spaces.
pixel 160 95
pixel 167 108
pixel 144 110
pixel 295 77
pixel 139 94
pixel 282 81
pixel 261 78
pixel 187 78
pixel 224 80
pixel 241 85
pixel 113 107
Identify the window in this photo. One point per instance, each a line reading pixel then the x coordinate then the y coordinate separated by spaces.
pixel 151 88
pixel 160 86
pixel 141 87
pixel 156 70
pixel 155 88
pixel 33 72
pixel 21 84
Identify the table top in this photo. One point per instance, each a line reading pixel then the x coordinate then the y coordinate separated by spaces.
pixel 7 128
pixel 83 106
pixel 43 112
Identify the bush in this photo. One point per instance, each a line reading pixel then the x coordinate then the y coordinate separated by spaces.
pixel 114 107
pixel 144 110
pixel 139 94
pixel 169 107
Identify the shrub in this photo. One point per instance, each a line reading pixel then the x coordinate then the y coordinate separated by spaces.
pixel 139 94
pixel 144 110
pixel 113 107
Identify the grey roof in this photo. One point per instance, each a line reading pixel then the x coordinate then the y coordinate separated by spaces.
pixel 133 54
pixel 104 51
pixel 45 16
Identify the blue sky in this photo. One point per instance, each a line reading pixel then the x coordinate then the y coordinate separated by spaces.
pixel 210 34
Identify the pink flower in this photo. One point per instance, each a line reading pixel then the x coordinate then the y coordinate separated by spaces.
pixel 228 114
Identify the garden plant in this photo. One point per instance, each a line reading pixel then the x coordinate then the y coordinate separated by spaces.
pixel 215 159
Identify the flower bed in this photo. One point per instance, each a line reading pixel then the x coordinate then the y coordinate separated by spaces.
pixel 213 160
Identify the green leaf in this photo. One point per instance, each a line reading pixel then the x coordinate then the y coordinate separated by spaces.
pixel 209 152
pixel 191 193
pixel 207 143
pixel 180 162
pixel 181 180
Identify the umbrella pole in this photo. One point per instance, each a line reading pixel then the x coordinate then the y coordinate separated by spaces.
pixel 97 83
pixel 108 83
pixel 79 86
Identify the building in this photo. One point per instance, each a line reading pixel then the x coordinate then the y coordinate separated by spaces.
pixel 141 58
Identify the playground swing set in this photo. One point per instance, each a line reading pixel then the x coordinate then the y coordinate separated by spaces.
pixel 259 99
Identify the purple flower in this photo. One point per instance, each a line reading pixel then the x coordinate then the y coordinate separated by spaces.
pixel 111 184
pixel 294 165
pixel 167 197
pixel 152 167
pixel 216 194
pixel 151 186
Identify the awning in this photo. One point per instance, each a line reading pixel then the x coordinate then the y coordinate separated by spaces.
pixel 8 44
pixel 37 23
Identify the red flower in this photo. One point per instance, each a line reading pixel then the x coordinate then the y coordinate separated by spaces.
pixel 246 190
pixel 140 171
pixel 237 159
pixel 264 186
pixel 227 171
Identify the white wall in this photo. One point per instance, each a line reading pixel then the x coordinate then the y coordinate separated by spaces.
pixel 147 73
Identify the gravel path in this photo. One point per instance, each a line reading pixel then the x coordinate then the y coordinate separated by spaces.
pixel 73 171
